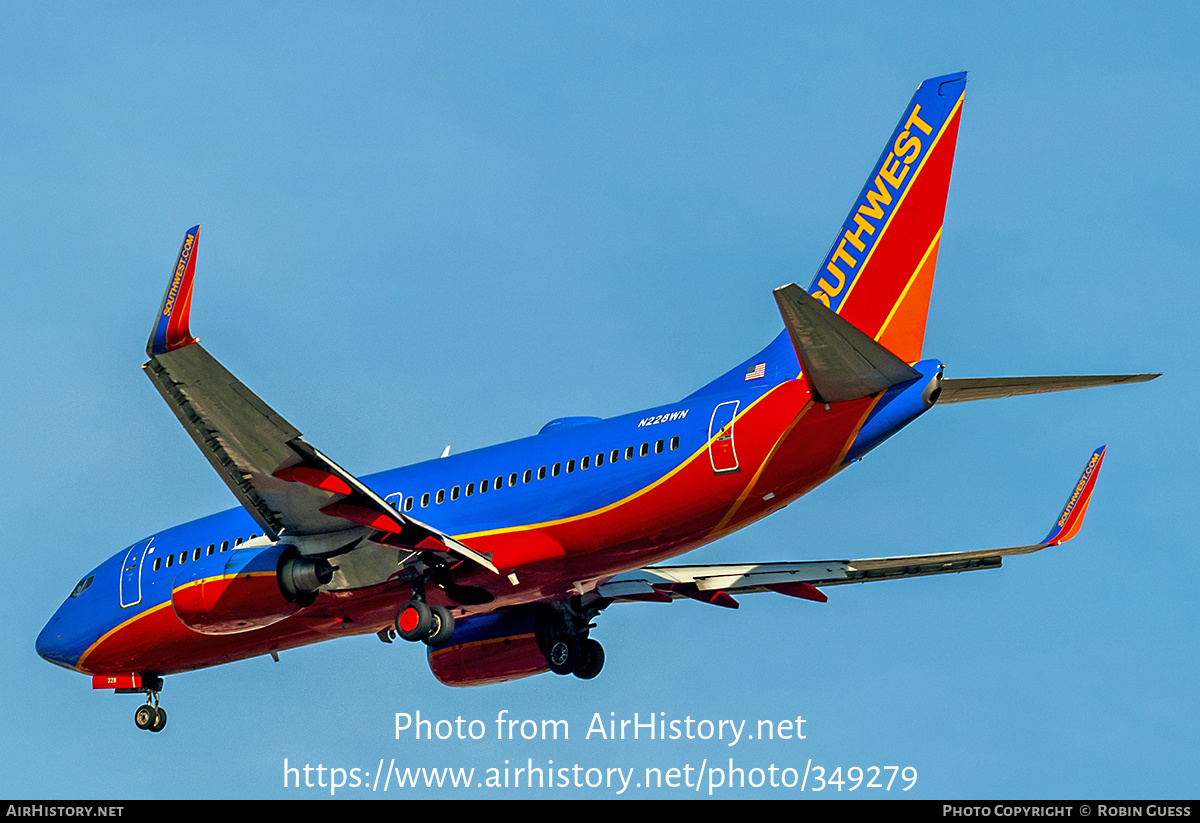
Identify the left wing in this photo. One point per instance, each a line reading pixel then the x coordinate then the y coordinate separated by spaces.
pixel 289 487
pixel 717 583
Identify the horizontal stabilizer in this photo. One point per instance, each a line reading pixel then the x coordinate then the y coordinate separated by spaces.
pixel 840 362
pixel 986 388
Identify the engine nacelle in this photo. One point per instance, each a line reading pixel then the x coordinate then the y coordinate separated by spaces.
pixel 490 648
pixel 243 590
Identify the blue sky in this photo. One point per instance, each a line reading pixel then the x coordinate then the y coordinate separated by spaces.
pixel 428 224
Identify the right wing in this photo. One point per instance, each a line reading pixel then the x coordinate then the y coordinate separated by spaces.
pixel 287 486
pixel 717 583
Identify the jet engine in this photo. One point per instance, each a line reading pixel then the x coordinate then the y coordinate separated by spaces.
pixel 242 590
pixel 490 648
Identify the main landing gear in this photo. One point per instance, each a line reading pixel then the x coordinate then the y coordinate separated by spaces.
pixel 561 631
pixel 417 620
pixel 151 717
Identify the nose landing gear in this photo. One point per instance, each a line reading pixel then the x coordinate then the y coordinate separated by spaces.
pixel 151 717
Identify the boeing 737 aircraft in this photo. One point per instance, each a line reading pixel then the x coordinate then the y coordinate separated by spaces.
pixel 500 559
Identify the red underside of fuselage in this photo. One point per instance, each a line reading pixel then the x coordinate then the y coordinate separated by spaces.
pixel 786 445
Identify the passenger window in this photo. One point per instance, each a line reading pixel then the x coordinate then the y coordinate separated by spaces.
pixel 424 500
pixel 645 449
pixel 237 542
pixel 528 476
pixel 170 560
pixel 454 493
pixel 674 442
pixel 542 473
pixel 629 452
pixel 470 489
pixel 512 479
pixel 182 558
pixel 584 463
pixel 211 548
pixel 196 553
pixel 554 471
pixel 615 456
pixel 570 466
pixel 483 487
pixel 408 504
pixel 224 548
pixel 157 561
pixel 658 447
pixel 441 496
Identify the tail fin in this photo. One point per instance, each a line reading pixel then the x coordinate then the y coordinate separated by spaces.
pixel 878 273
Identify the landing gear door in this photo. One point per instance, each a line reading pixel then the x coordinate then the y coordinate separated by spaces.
pixel 131 574
pixel 721 450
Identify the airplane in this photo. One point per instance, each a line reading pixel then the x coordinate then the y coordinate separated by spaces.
pixel 500 559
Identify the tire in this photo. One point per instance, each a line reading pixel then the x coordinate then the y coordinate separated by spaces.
pixel 414 621
pixel 563 654
pixel 591 660
pixel 160 719
pixel 145 716
pixel 443 626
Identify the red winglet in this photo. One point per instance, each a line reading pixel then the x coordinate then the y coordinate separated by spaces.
pixel 1068 522
pixel 170 330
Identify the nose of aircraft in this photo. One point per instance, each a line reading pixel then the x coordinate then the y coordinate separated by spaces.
pixel 52 643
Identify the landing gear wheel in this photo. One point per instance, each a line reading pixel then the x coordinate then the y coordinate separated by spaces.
pixel 145 716
pixel 160 719
pixel 414 620
pixel 443 626
pixel 591 660
pixel 563 654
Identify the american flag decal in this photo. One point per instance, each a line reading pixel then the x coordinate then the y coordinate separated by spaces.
pixel 755 372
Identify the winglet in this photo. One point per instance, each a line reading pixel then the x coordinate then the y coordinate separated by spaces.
pixel 170 330
pixel 1068 522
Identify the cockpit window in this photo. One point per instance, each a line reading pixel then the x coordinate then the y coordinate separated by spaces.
pixel 81 587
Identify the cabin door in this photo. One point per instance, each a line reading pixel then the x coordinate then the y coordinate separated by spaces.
pixel 721 449
pixel 131 574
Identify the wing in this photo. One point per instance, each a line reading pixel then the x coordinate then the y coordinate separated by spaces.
pixel 289 487
pixel 717 584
